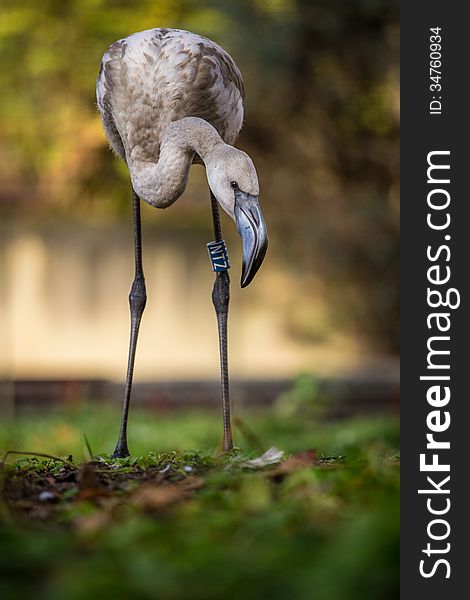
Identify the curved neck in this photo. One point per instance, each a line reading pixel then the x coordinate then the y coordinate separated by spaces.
pixel 161 183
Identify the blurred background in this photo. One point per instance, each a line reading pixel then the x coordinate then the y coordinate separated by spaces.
pixel 313 340
pixel 321 124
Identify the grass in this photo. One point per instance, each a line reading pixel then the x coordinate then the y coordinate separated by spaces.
pixel 179 521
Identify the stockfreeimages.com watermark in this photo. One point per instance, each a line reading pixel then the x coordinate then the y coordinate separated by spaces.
pixel 442 299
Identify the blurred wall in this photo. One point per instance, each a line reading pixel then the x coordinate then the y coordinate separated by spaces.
pixel 65 310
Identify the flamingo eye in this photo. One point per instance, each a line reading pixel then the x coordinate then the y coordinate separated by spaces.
pixel 234 185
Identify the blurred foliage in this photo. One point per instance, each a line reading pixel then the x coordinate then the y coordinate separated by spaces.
pixel 304 399
pixel 322 125
pixel 328 530
pixel 61 432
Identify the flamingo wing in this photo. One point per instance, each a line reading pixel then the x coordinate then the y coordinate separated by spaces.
pixel 154 77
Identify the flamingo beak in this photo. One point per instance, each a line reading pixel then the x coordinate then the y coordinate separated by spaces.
pixel 252 230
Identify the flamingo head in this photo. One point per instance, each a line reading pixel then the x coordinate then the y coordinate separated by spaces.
pixel 233 180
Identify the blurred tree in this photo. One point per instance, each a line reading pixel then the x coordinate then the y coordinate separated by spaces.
pixel 322 125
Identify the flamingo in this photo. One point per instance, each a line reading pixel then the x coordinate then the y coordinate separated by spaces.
pixel 168 99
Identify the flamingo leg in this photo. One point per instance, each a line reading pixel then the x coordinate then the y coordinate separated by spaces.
pixel 137 301
pixel 220 299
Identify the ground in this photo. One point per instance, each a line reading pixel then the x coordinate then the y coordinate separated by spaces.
pixel 320 522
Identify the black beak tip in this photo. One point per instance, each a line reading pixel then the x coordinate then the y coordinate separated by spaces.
pixel 249 271
pixel 245 281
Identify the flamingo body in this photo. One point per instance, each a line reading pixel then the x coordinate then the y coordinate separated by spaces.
pixel 152 78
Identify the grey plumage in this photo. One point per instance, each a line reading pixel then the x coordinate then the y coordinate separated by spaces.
pixel 155 77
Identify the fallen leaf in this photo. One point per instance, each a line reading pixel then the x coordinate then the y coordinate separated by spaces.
pixel 159 497
pixel 88 484
pixel 273 456
pixel 303 459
